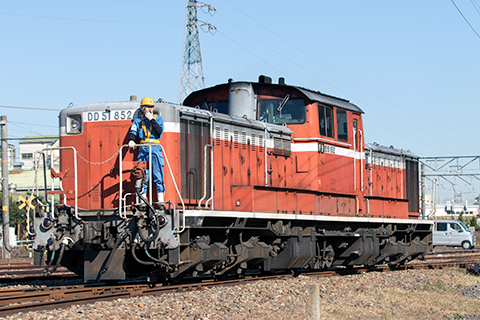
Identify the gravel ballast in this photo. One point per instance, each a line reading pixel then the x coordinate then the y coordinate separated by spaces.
pixel 412 294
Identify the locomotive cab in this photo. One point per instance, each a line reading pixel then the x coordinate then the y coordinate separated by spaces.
pixel 327 134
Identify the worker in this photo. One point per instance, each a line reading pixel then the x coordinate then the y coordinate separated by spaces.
pixel 148 127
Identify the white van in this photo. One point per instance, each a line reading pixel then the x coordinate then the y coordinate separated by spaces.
pixel 453 233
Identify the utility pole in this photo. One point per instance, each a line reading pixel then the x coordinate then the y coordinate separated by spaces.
pixel 191 77
pixel 5 216
pixel 423 212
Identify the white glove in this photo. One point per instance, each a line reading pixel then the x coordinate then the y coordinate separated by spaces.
pixel 149 115
pixel 131 144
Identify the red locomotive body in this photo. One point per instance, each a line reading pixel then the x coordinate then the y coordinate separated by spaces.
pixel 258 176
pixel 322 167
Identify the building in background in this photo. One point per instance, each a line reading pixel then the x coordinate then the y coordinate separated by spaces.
pixel 452 209
pixel 22 176
pixel 29 145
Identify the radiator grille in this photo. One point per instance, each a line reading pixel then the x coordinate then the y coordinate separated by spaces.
pixel 235 139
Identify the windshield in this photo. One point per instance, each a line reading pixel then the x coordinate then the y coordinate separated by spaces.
pixel 464 226
pixel 274 111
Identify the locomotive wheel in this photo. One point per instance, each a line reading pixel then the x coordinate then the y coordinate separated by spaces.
pixel 324 259
pixel 328 256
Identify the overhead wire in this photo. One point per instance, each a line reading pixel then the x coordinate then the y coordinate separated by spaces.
pixel 364 103
pixel 32 124
pixel 368 120
pixel 343 76
pixel 475 5
pixel 259 57
pixel 87 20
pixel 256 55
pixel 149 2
pixel 30 108
pixel 251 52
pixel 406 123
pixel 346 78
pixel 464 18
pixel 25 128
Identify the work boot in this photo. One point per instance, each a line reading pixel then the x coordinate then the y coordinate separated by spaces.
pixel 161 200
pixel 161 197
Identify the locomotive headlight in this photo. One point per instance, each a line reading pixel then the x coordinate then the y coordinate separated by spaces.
pixel 74 124
pixel 47 223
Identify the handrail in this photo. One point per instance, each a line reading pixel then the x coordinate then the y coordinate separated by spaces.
pixel 75 153
pixel 357 204
pixel 33 190
pixel 124 216
pixel 362 166
pixel 211 181
pixel 178 192
pixel 120 209
pixel 205 147
pixel 211 164
pixel 120 184
pixel 125 203
pixel 265 155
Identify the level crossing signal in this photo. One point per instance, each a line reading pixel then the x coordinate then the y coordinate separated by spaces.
pixel 25 202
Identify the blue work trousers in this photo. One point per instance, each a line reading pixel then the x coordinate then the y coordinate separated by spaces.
pixel 157 167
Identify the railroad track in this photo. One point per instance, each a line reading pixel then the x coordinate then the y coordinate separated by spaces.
pixel 25 271
pixel 13 301
pixel 448 258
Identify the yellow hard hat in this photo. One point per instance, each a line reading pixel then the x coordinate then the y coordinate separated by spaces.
pixel 148 102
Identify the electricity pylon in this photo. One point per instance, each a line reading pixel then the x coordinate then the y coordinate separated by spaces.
pixel 192 77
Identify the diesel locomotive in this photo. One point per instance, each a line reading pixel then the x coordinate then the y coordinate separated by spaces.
pixel 260 177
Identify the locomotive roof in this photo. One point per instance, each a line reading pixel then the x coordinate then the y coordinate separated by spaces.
pixel 324 98
pixel 391 150
pixel 314 96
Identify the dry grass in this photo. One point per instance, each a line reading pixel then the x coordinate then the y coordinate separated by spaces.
pixel 433 302
pixel 442 299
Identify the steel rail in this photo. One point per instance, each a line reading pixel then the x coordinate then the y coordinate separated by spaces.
pixel 23 300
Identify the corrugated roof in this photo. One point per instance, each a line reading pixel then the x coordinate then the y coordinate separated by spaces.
pixel 38 139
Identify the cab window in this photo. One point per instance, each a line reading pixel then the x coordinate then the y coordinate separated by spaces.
pixel 325 119
pixel 342 125
pixel 282 110
pixel 441 226
pixel 456 227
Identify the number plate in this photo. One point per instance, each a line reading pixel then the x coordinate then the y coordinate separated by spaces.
pixel 111 115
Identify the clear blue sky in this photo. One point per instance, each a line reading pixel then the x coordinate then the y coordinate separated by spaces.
pixel 412 66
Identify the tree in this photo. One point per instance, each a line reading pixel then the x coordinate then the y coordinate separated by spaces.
pixel 17 217
pixel 474 222
pixel 460 216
